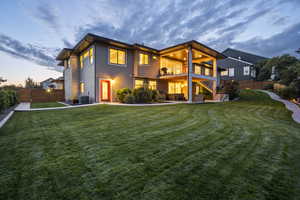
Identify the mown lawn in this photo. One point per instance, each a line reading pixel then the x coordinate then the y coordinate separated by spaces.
pixel 46 105
pixel 244 150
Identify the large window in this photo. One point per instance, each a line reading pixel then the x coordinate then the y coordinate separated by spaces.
pixel 144 59
pixel 246 71
pixel 152 85
pixel 174 87
pixel 117 56
pixel 173 66
pixel 224 73
pixel 206 71
pixel 231 72
pixel 139 83
pixel 81 88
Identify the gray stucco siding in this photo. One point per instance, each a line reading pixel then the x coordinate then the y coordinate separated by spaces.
pixel 87 76
pixel 150 70
pixel 121 74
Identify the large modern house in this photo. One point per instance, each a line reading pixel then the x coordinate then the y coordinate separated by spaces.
pixel 239 65
pixel 97 67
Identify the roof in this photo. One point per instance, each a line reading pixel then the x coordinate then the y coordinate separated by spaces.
pixel 89 39
pixel 59 79
pixel 244 56
pixel 47 80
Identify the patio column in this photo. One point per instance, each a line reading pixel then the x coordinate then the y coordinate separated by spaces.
pixel 215 74
pixel 190 72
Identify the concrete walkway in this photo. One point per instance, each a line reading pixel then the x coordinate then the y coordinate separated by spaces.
pixel 24 106
pixel 289 105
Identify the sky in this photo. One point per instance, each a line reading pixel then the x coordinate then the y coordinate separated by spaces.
pixel 32 32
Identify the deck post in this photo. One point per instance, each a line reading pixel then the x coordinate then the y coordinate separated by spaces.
pixel 190 72
pixel 215 74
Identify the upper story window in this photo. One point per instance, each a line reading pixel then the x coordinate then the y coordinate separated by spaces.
pixel 224 73
pixel 144 59
pixel 91 55
pixel 139 83
pixel 81 61
pixel 246 70
pixel 117 56
pixel 231 72
pixel 197 69
pixel 172 66
pixel 206 71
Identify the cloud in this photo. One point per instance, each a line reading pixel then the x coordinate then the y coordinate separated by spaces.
pixel 288 41
pixel 280 21
pixel 48 15
pixel 40 55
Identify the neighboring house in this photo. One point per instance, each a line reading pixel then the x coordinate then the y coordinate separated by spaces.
pixel 57 84
pixel 46 83
pixel 97 67
pixel 239 65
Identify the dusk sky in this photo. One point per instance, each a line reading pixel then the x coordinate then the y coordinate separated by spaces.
pixel 33 31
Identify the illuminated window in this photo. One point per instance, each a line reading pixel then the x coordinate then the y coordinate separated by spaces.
pixel 174 67
pixel 246 71
pixel 231 72
pixel 81 61
pixel 206 71
pixel 224 73
pixel 144 59
pixel 197 70
pixel 174 87
pixel 81 88
pixel 91 56
pixel 152 85
pixel 139 84
pixel 117 56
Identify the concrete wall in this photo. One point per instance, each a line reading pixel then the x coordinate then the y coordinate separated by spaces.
pixel 121 74
pixel 87 76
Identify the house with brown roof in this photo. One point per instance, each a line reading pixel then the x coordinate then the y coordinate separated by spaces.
pixel 97 67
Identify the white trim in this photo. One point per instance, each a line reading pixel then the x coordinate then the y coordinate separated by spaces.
pixel 100 89
pixel 240 60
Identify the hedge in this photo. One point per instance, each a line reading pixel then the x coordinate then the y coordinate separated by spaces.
pixel 8 98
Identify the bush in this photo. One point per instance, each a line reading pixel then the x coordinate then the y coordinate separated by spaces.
pixel 232 89
pixel 269 86
pixel 122 93
pixel 287 93
pixel 143 95
pixel 8 98
pixel 129 98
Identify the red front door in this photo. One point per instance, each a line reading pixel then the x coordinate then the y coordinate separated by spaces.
pixel 105 90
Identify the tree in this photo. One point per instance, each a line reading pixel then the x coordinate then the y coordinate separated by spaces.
pixel 29 83
pixel 2 80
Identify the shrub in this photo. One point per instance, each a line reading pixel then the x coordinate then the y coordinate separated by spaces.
pixel 142 95
pixel 232 89
pixel 122 93
pixel 8 98
pixel 129 98
pixel 287 92
pixel 269 86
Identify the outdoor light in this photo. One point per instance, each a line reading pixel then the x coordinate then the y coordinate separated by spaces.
pixel 154 57
pixel 48 90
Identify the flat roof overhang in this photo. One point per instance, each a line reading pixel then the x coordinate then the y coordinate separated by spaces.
pixel 197 46
pixel 64 54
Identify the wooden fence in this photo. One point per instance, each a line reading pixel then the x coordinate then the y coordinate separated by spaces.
pixel 251 84
pixel 40 95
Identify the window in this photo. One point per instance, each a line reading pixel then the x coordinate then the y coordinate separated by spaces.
pixel 253 73
pixel 206 71
pixel 224 73
pixel 246 71
pixel 81 88
pixel 174 87
pixel 197 70
pixel 116 56
pixel 152 85
pixel 144 59
pixel 139 84
pixel 231 72
pixel 81 61
pixel 91 56
pixel 68 63
pixel 174 67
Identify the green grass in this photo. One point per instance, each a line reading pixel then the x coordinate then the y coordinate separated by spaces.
pixel 248 149
pixel 46 105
